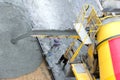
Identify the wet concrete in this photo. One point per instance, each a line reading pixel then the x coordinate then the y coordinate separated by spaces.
pixel 52 14
pixel 20 58
pixel 23 57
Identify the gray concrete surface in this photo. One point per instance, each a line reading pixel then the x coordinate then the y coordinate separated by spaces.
pixel 23 57
pixel 52 56
pixel 111 6
pixel 52 14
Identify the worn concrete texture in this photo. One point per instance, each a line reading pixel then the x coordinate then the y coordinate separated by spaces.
pixel 53 55
pixel 16 18
pixel 20 58
pixel 52 14
pixel 41 73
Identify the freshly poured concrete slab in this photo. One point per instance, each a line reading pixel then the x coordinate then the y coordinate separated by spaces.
pixel 53 14
pixel 45 14
pixel 24 56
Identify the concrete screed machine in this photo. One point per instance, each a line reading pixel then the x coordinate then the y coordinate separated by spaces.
pixel 101 33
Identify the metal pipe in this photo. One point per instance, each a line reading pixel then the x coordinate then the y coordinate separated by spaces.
pixel 44 32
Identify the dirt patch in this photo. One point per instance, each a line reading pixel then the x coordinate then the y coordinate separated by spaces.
pixel 41 73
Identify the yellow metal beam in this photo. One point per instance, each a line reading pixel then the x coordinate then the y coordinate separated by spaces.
pixel 78 50
pixel 93 17
pixel 80 72
pixel 46 36
pixel 69 49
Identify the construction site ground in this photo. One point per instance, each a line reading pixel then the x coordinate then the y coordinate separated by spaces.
pixel 41 73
